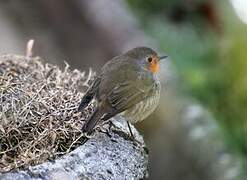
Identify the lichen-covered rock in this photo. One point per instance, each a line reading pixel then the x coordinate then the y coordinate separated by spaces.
pixel 102 157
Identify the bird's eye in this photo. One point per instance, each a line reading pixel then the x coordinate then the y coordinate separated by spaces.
pixel 150 59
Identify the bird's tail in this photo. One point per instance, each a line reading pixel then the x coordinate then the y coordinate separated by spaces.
pixel 92 121
pixel 85 101
pixel 98 115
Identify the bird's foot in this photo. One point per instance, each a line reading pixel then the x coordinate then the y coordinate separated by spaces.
pixel 132 138
pixel 106 127
pixel 104 131
pixel 131 134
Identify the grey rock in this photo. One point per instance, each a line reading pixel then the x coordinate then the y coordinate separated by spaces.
pixel 101 157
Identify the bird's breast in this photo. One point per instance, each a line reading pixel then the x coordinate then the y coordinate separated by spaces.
pixel 144 108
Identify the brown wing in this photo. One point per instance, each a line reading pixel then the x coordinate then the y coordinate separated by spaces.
pixel 126 95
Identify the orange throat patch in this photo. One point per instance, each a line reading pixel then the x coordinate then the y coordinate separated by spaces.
pixel 154 66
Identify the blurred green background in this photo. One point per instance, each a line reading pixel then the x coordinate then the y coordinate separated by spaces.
pixel 207 43
pixel 199 130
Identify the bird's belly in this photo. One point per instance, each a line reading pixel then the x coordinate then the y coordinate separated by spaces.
pixel 143 109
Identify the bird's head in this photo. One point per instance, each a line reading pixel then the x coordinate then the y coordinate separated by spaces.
pixel 146 57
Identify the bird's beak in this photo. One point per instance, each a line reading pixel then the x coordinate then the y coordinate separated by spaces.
pixel 162 57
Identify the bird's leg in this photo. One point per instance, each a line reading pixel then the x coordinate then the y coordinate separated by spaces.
pixel 106 130
pixel 111 125
pixel 131 136
pixel 131 133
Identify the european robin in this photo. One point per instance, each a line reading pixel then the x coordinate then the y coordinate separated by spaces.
pixel 127 85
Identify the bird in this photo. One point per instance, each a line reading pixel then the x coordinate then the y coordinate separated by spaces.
pixel 127 85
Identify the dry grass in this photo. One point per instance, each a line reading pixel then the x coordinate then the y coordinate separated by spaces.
pixel 38 104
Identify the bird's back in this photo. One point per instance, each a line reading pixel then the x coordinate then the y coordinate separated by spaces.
pixel 120 70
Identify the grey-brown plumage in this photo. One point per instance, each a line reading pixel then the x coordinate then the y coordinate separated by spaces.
pixel 127 85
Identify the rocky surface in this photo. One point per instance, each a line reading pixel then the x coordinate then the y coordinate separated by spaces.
pixel 101 157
